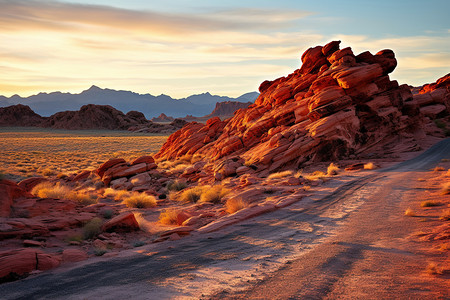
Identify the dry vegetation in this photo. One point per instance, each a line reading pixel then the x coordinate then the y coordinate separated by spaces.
pixel 59 191
pixel 26 152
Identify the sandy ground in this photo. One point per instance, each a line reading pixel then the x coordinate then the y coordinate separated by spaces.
pixel 348 239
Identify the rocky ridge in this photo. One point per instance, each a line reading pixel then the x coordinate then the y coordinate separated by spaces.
pixel 337 105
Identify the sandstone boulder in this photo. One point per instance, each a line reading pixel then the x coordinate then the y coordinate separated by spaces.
pixel 124 222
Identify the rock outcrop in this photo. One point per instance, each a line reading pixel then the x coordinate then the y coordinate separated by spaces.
pixel 227 109
pixel 337 105
pixel 95 117
pixel 19 115
pixel 162 118
pixel 433 100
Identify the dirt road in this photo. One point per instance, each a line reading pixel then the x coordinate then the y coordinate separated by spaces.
pixel 347 241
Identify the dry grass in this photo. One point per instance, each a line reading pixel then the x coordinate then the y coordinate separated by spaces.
pixel 59 191
pixel 332 169
pixel 214 194
pixel 445 216
pixel 410 213
pixel 280 175
pixel 430 203
pixel 92 228
pixel 189 195
pixel 139 200
pixel 445 190
pixel 37 151
pixel 169 216
pixel 176 185
pixel 316 175
pixel 235 204
pixel 370 166
pixel 438 169
pixel 118 195
pixel 433 269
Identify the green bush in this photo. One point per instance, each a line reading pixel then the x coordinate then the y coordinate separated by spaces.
pixel 92 228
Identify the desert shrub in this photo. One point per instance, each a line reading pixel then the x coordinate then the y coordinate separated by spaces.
pixel 445 190
pixel 178 168
pixel 138 244
pixel 59 191
pixel 99 251
pixel 176 185
pixel 74 238
pixel 92 228
pixel 234 204
pixel 429 203
pixel 139 200
pixel 190 195
pixel 438 169
pixel 332 169
pixel 370 166
pixel 50 190
pixel 316 175
pixel 214 194
pixel 47 172
pixel 445 216
pixel 409 212
pixel 117 195
pixel 439 123
pixel 107 213
pixel 169 216
pixel 434 269
pixel 61 176
pixel 280 175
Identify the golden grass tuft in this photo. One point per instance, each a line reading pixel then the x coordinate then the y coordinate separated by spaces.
pixel 214 194
pixel 445 190
pixel 433 269
pixel 169 216
pixel 332 169
pixel 445 216
pixel 430 203
pixel 438 169
pixel 316 175
pixel 235 204
pixel 139 200
pixel 280 175
pixel 370 166
pixel 410 213
pixel 190 195
pixel 59 191
pixel 176 185
pixel 118 195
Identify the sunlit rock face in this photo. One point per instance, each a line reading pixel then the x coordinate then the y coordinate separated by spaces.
pixel 336 105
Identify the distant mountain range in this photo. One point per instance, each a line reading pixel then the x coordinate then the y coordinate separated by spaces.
pixel 47 104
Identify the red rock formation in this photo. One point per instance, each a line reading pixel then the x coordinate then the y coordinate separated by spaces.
pixel 162 118
pixel 9 191
pixel 124 222
pixel 19 115
pixel 227 108
pixel 95 117
pixel 336 105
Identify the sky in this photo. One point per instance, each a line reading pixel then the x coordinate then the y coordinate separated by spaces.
pixel 181 47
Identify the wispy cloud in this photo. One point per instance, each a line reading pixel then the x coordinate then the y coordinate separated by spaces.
pixel 49 45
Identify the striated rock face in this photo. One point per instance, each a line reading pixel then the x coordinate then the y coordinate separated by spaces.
pixel 336 105
pixel 19 115
pixel 95 116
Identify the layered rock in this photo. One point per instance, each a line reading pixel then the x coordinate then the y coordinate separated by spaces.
pixel 433 100
pixel 336 105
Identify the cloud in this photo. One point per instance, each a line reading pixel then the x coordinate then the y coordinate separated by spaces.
pixel 51 15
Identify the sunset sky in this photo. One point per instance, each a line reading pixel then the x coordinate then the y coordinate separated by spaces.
pixel 181 47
